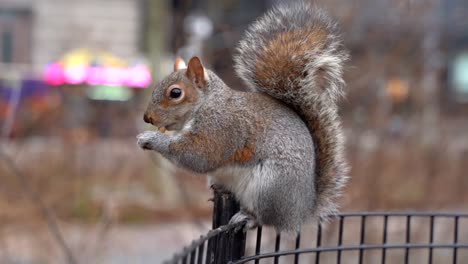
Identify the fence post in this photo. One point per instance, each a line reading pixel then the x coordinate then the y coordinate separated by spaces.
pixel 228 246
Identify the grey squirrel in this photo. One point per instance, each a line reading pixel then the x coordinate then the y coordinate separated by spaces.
pixel 278 147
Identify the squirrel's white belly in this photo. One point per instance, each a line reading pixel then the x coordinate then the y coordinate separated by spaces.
pixel 244 182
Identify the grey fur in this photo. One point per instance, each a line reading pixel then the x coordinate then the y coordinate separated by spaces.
pixel 274 173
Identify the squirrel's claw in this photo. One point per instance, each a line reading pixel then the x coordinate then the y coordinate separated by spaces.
pixel 241 216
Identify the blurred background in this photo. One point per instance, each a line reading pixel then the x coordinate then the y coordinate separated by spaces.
pixel 75 78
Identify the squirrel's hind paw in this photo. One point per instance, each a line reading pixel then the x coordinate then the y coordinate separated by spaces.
pixel 241 216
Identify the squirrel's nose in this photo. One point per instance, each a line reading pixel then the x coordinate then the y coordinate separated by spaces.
pixel 147 119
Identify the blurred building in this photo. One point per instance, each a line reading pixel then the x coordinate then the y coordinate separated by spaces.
pixel 456 41
pixel 38 32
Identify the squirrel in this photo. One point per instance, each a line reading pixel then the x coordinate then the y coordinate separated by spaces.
pixel 278 147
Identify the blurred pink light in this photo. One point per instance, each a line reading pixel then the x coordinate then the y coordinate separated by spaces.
pixel 113 76
pixel 94 76
pixel 76 74
pixel 137 76
pixel 54 74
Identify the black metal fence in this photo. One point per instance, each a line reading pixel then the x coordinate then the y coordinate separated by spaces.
pixel 411 237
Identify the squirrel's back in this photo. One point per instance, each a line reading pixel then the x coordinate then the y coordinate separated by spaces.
pixel 295 54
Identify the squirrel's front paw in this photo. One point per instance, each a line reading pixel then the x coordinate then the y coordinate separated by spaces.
pixel 146 139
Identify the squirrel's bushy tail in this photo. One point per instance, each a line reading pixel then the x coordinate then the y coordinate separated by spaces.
pixel 295 54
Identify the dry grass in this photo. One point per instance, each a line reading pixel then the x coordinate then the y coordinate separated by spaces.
pixel 82 182
pixel 402 173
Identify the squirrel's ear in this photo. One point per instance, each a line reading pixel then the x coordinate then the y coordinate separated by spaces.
pixel 196 72
pixel 179 64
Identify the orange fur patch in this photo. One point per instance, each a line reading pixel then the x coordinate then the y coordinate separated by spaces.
pixel 284 56
pixel 245 154
pixel 194 142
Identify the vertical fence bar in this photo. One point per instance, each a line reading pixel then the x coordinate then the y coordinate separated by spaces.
pixel 319 243
pixel 384 238
pixel 192 256
pixel 212 242
pixel 298 245
pixel 455 239
pixel 277 246
pixel 237 240
pixel 408 237
pixel 201 251
pixel 210 250
pixel 431 237
pixel 340 239
pixel 363 235
pixel 259 243
pixel 230 245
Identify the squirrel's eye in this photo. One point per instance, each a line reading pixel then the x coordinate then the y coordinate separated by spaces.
pixel 175 93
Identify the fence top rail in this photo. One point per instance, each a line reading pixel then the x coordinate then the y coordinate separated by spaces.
pixel 226 229
pixel 348 248
pixel 408 213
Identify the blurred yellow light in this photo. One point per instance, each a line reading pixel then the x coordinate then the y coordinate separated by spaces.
pixel 397 89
